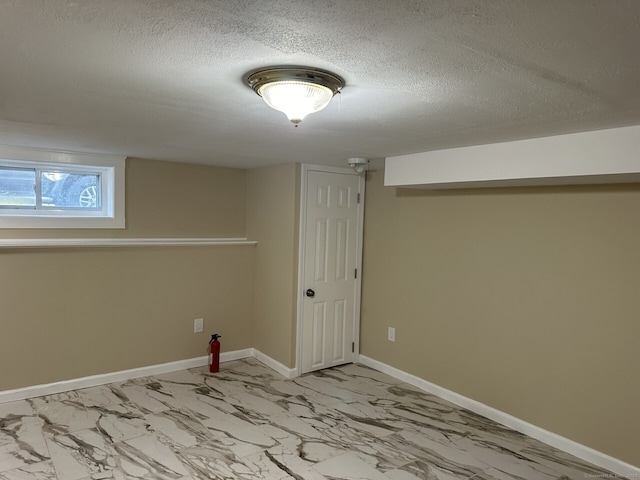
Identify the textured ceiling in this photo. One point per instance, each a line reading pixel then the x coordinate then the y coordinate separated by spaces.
pixel 163 79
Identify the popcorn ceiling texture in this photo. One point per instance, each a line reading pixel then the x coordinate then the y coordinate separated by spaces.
pixel 165 80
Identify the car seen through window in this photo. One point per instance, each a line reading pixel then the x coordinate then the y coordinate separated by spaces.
pixel 35 188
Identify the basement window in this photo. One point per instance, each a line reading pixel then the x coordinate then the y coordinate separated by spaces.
pixel 46 189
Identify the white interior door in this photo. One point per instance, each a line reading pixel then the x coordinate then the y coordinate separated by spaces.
pixel 332 232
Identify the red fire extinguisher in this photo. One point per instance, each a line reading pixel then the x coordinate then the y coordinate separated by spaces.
pixel 214 356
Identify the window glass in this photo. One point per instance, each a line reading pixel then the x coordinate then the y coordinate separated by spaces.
pixel 70 190
pixel 17 187
pixel 57 189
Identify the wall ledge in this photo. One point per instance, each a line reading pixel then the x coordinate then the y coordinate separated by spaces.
pixel 119 242
pixel 576 449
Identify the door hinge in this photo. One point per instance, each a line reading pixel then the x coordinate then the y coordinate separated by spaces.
pixel 358 198
pixel 353 347
pixel 356 273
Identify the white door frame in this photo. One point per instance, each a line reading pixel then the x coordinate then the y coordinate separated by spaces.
pixel 301 247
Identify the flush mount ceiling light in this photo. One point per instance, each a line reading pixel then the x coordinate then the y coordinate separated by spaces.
pixel 295 91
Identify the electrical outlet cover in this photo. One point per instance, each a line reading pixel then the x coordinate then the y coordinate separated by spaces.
pixel 198 325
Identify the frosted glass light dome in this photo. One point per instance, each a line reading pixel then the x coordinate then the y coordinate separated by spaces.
pixel 296 99
pixel 296 92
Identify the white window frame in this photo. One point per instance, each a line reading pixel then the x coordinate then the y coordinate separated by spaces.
pixel 111 170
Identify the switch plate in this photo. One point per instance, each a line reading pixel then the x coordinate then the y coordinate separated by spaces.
pixel 198 325
pixel 391 334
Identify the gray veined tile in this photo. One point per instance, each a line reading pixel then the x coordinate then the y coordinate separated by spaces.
pixel 419 470
pixel 296 435
pixel 257 409
pixel 236 447
pixel 102 395
pixel 228 383
pixel 410 416
pixel 81 454
pixel 66 416
pixel 504 463
pixel 349 465
pixel 150 396
pixel 287 388
pixel 293 432
pixel 22 441
pixel 410 395
pixel 361 372
pixel 248 368
pixel 205 403
pixel 269 466
pixel 440 451
pixel 383 454
pixel 326 391
pixel 179 428
pixel 316 451
pixel 313 395
pixel 242 435
pixel 32 471
pixel 56 397
pixel 181 380
pixel 120 422
pixel 222 387
pixel 147 457
pixel 20 407
pixel 340 428
pixel 323 419
pixel 300 406
pixel 237 376
pixel 357 385
pixel 294 464
pixel 220 460
pixel 561 463
pixel 11 457
pixel 208 460
pixel 224 420
pixel 367 417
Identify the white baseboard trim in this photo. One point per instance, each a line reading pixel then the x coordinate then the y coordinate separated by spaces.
pixel 574 448
pixel 121 376
pixel 234 355
pixel 274 364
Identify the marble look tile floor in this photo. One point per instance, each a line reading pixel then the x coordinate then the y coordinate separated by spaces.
pixel 248 422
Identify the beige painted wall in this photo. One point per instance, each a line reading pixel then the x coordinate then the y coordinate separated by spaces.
pixel 67 313
pixel 527 300
pixel 272 220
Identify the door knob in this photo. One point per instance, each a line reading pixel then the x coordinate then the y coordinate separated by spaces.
pixel 310 293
